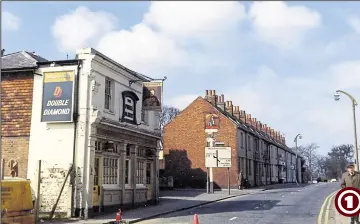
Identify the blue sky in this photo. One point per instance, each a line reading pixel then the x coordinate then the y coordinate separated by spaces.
pixel 279 61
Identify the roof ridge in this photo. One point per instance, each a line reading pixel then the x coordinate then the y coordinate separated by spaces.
pixel 11 54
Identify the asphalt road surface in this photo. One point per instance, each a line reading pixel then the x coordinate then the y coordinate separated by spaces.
pixel 281 206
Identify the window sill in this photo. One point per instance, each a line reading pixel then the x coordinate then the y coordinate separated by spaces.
pixel 109 112
pixel 140 186
pixel 111 187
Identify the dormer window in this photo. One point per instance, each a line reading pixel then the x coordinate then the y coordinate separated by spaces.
pixel 129 107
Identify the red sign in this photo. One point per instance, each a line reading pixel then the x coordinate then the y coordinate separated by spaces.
pixel 347 201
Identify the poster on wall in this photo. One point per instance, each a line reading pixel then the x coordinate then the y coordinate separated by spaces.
pixel 58 93
pixel 152 95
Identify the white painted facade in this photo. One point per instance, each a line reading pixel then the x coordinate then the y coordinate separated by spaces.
pixel 132 177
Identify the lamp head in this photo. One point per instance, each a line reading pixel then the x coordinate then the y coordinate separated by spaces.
pixel 337 96
pixel 300 136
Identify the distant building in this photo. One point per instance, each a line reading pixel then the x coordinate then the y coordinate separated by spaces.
pixel 17 77
pixel 258 151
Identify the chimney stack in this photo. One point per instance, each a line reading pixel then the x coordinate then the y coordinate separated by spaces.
pixel 210 96
pixel 243 115
pixel 248 118
pixel 220 102
pixel 236 112
pixel 259 125
pixel 229 107
pixel 254 122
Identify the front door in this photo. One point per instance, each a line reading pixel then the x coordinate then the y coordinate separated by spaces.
pixel 96 189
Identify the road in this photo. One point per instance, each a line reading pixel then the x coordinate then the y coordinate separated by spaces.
pixel 281 206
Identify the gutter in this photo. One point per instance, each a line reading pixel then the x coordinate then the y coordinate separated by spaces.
pixel 75 119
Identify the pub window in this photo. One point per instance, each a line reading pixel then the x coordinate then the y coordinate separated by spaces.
pixel 127 171
pixel 110 171
pixel 109 85
pixel 97 146
pixel 140 172
pixel 148 173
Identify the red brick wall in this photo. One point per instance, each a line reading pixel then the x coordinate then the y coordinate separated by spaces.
pixel 184 147
pixel 16 106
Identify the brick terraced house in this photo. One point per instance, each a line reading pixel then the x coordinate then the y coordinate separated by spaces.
pixel 257 150
pixel 17 76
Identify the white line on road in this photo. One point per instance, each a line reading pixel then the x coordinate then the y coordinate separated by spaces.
pixel 233 218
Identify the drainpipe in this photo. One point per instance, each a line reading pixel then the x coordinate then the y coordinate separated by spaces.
pixel 75 119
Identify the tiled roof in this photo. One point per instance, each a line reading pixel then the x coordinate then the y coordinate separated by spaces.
pixel 21 59
pixel 249 128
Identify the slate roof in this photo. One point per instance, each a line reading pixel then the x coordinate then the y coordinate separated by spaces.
pixel 20 60
pixel 251 129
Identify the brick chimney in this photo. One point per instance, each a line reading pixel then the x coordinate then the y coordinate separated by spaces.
pixel 236 112
pixel 229 107
pixel 220 102
pixel 254 122
pixel 259 125
pixel 248 118
pixel 210 96
pixel 243 115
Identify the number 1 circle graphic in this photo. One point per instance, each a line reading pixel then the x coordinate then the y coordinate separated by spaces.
pixel 347 201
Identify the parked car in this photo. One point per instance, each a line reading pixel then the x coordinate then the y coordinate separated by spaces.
pixel 333 180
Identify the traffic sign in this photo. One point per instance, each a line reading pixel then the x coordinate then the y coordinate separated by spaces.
pixel 217 156
pixel 210 158
pixel 347 201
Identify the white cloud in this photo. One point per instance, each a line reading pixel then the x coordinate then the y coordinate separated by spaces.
pixel 194 18
pixel 281 25
pixel 142 49
pixel 10 22
pixel 354 23
pixel 81 28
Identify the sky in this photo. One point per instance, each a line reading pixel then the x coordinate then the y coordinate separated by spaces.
pixel 281 62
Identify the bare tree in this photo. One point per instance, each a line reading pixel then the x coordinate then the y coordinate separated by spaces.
pixel 310 157
pixel 167 114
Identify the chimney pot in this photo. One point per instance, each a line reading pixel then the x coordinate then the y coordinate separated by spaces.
pixel 222 98
pixel 213 92
pixel 207 93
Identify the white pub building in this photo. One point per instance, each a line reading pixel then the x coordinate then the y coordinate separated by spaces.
pixel 91 136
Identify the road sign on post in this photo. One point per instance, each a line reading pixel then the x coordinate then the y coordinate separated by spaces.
pixel 218 156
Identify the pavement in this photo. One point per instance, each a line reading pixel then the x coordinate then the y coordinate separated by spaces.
pixel 173 202
pixel 294 205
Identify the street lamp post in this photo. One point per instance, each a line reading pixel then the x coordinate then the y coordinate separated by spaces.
pixel 296 156
pixel 354 104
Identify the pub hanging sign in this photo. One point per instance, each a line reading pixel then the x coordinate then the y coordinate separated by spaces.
pixel 58 94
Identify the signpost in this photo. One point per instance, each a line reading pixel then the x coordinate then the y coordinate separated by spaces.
pixel 219 157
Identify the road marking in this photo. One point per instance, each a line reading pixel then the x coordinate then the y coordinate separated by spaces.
pixel 233 218
pixel 323 206
pixel 326 218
